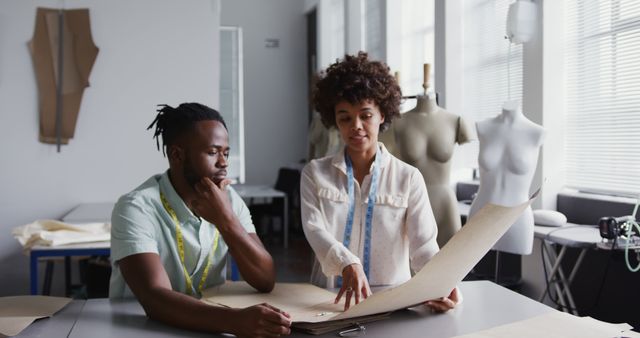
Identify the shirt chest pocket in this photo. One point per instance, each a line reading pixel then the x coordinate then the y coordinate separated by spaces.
pixel 389 215
pixel 391 208
pixel 334 206
pixel 332 196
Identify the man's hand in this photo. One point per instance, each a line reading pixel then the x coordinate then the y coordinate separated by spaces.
pixel 212 202
pixel 254 262
pixel 263 320
pixel 444 304
pixel 354 282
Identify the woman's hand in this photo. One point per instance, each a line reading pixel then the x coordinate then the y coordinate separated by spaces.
pixel 354 282
pixel 444 304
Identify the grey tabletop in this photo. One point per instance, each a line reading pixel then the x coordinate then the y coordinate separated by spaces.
pixel 485 305
pixel 572 235
pixel 58 325
pixel 122 318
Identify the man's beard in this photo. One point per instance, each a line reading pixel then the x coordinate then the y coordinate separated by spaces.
pixel 190 175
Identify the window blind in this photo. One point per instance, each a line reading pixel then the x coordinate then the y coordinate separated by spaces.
pixel 490 77
pixel 602 81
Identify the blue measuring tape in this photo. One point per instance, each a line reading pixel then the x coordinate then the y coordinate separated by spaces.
pixel 352 206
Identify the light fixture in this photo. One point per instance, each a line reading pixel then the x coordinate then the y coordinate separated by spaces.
pixel 521 21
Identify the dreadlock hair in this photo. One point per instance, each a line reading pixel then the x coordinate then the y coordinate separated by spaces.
pixel 170 123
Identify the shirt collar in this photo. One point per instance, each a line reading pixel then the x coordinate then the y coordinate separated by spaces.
pixel 338 159
pixel 183 213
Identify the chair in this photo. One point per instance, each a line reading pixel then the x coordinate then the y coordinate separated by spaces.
pixel 288 181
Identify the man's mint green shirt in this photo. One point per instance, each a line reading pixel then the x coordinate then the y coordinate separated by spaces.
pixel 141 224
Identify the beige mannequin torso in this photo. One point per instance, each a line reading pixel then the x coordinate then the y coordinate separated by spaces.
pixel 388 138
pixel 425 138
pixel 322 141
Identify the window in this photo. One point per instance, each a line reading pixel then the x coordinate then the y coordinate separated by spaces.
pixel 490 77
pixel 375 28
pixel 417 34
pixel 602 142
pixel 231 98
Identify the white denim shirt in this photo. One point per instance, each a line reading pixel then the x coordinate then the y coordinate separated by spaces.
pixel 403 236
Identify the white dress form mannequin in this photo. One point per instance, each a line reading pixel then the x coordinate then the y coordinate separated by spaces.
pixel 322 141
pixel 425 138
pixel 509 148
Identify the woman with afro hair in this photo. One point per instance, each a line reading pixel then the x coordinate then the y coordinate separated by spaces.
pixel 365 213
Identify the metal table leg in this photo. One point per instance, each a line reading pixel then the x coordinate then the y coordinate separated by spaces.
pixel 48 277
pixel 67 276
pixel 558 278
pixel 552 263
pixel 565 283
pixel 285 221
pixel 33 273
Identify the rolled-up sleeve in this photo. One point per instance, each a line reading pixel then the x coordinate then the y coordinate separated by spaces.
pixel 421 224
pixel 331 253
pixel 131 230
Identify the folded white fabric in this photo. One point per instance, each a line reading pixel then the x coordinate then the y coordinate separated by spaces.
pixel 550 218
pixel 55 233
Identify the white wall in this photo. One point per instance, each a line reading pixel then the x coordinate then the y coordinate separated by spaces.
pixel 448 72
pixel 544 101
pixel 151 52
pixel 554 104
pixel 275 81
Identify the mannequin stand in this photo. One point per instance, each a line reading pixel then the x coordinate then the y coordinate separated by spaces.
pixel 497 270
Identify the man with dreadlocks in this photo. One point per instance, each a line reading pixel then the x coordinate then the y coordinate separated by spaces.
pixel 170 236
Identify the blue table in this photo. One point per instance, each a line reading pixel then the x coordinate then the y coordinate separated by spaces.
pixel 83 213
pixel 66 251
pixel 86 249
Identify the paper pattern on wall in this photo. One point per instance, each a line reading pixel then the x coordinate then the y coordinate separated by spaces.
pixel 79 54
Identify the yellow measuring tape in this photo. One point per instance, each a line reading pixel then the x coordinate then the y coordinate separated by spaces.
pixel 180 241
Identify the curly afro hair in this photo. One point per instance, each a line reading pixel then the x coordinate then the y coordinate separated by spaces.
pixel 356 79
